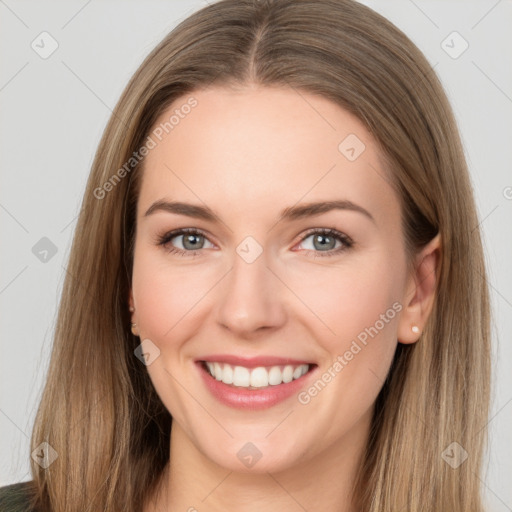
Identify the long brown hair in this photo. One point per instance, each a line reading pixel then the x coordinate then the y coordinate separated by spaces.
pixel 99 410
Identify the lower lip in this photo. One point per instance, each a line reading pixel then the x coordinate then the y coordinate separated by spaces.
pixel 252 399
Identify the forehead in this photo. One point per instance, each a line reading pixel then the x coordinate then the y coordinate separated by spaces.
pixel 256 148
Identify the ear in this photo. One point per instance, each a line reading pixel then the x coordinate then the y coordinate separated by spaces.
pixel 133 318
pixel 131 303
pixel 420 292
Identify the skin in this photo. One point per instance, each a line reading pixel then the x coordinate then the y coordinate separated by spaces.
pixel 247 154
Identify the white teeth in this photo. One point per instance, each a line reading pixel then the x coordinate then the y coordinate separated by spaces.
pixel 241 376
pixel 227 374
pixel 259 377
pixel 288 373
pixel 275 376
pixel 297 372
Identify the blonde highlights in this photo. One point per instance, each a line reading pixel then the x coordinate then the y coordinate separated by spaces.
pixel 99 410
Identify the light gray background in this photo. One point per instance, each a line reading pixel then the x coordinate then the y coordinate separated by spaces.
pixel 54 110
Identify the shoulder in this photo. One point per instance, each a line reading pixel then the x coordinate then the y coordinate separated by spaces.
pixel 16 497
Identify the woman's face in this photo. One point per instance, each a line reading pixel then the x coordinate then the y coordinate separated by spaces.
pixel 255 288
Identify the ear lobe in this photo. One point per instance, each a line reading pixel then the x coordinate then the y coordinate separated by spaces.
pixel 421 292
pixel 131 304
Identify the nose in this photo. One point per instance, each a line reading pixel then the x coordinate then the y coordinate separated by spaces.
pixel 252 298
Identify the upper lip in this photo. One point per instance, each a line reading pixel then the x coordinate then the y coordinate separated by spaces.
pixel 253 362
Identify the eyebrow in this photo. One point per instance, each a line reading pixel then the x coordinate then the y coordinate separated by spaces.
pixel 288 214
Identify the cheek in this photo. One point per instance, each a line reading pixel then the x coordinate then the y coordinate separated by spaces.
pixel 366 306
pixel 168 302
pixel 167 297
pixel 360 305
pixel 352 297
pixel 365 320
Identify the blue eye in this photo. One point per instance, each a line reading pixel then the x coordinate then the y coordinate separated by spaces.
pixel 193 241
pixel 327 239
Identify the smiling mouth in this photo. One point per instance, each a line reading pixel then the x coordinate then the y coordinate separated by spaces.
pixel 260 377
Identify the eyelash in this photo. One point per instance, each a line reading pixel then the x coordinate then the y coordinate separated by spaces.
pixel 347 242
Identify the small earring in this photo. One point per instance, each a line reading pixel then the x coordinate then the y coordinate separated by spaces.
pixel 133 330
pixel 132 309
pixel 415 329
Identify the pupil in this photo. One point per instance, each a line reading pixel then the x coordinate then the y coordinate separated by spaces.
pixel 190 239
pixel 319 238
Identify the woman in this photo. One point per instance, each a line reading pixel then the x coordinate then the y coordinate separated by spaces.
pixel 276 292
